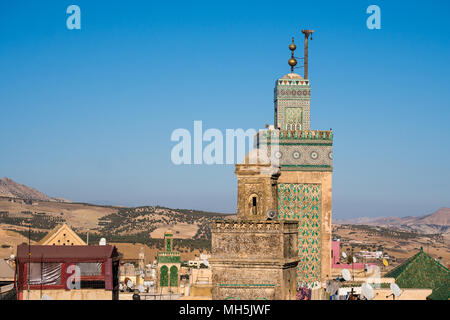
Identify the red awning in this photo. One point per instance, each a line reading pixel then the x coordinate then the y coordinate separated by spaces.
pixel 65 253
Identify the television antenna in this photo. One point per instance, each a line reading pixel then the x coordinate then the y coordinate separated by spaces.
pixel 367 291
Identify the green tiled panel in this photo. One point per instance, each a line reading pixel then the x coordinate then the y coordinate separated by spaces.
pixel 168 259
pixel 302 202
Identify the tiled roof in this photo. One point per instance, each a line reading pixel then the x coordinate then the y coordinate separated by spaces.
pixel 420 271
pixel 440 293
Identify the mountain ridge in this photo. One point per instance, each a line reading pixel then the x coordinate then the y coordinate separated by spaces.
pixel 11 189
pixel 436 222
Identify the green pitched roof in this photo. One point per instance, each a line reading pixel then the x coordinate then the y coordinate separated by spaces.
pixel 440 293
pixel 420 271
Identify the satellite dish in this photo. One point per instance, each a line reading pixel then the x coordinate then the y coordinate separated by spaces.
pixel 395 289
pixel 121 287
pixel 367 291
pixel 271 214
pixel 354 260
pixel 385 262
pixel 46 297
pixel 102 242
pixel 141 288
pixel 12 257
pixel 344 255
pixel 346 275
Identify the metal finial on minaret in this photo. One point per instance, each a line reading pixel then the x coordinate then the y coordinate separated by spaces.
pixel 292 61
pixel 306 33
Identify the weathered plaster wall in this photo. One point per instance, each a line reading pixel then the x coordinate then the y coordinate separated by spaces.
pixel 61 294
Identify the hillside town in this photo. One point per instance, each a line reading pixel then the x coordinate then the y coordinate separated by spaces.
pixel 130 272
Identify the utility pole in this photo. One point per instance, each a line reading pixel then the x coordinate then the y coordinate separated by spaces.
pixel 353 262
pixel 307 33
pixel 29 261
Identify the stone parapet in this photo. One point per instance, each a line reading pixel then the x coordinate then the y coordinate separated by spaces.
pixel 254 259
pixel 277 226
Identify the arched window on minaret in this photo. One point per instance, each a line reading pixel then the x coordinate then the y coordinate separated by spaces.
pixel 254 205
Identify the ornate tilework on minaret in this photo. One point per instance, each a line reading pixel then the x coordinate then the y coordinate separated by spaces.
pixel 301 202
pixel 292 100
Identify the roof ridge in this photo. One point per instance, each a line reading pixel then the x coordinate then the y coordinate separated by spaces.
pixel 403 266
pixel 51 233
pixel 440 264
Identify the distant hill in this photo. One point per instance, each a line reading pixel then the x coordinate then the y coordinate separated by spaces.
pixel 21 206
pixel 11 189
pixel 440 217
pixel 437 222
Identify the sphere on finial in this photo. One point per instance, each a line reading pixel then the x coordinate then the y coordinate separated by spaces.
pixel 292 62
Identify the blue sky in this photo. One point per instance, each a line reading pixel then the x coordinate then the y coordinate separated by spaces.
pixel 87 114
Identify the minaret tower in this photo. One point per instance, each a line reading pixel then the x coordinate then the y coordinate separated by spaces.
pixel 281 238
pixel 305 157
